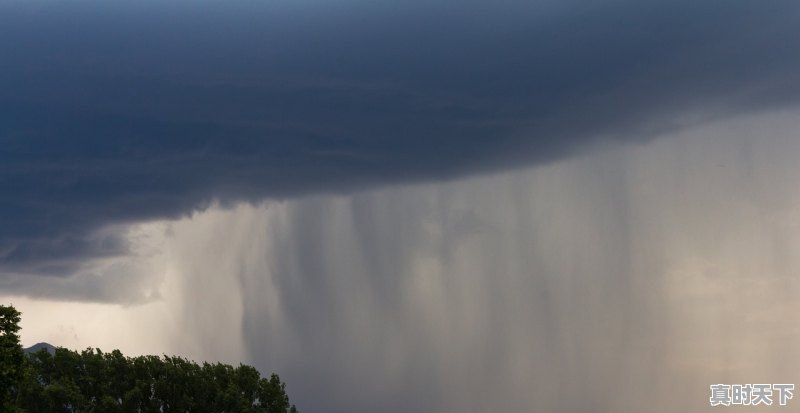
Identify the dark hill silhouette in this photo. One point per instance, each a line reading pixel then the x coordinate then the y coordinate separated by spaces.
pixel 39 346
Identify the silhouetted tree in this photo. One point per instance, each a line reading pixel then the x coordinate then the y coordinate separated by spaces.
pixel 95 382
pixel 11 356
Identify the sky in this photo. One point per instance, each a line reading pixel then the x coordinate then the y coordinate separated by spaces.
pixel 442 206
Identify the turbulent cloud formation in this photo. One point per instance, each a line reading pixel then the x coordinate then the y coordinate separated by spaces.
pixel 118 112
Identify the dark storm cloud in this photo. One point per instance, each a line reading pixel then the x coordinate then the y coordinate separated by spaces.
pixel 113 113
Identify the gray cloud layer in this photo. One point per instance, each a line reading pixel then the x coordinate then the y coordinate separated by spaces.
pixel 114 113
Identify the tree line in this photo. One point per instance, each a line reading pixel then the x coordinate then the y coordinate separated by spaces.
pixel 93 381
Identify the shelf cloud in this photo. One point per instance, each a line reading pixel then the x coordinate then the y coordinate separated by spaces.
pixel 113 113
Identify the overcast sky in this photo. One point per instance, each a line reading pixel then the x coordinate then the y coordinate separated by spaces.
pixel 431 206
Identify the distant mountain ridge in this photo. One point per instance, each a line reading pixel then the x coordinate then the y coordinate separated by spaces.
pixel 38 346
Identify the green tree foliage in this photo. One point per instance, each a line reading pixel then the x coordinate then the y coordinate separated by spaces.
pixel 11 356
pixel 93 381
